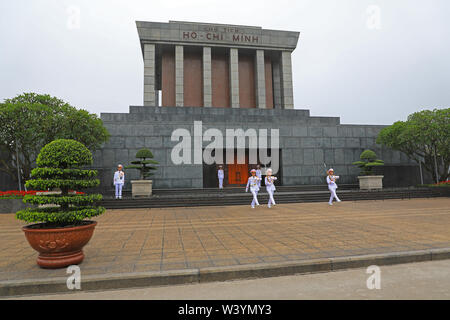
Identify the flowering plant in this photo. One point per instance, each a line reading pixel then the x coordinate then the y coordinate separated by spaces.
pixel 442 184
pixel 16 194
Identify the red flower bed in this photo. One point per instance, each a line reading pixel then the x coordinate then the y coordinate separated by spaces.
pixel 15 194
pixel 442 183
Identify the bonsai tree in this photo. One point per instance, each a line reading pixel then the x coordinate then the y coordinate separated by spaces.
pixel 367 162
pixel 144 164
pixel 59 167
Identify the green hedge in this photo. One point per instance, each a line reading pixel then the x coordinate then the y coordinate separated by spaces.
pixel 58 173
pixel 64 153
pixel 44 184
pixel 54 215
pixel 78 199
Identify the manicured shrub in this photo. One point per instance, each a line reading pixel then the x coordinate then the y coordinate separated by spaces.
pixel 59 167
pixel 144 164
pixel 368 161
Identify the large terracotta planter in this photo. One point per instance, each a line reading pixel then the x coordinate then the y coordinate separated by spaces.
pixel 59 247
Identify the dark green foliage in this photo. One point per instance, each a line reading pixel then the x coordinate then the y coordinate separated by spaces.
pixel 59 165
pixel 425 137
pixel 143 165
pixel 368 155
pixel 44 184
pixel 58 173
pixel 30 121
pixel 144 153
pixel 78 199
pixel 368 161
pixel 63 154
pixel 60 217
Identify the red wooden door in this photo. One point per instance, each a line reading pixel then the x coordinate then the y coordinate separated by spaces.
pixel 238 173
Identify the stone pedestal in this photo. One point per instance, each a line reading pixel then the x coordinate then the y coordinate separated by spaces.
pixel 370 182
pixel 141 188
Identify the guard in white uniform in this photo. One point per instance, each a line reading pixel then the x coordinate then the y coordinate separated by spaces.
pixel 254 187
pixel 119 181
pixel 332 186
pixel 220 175
pixel 270 186
pixel 259 174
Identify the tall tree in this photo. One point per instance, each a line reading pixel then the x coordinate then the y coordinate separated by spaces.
pixel 30 121
pixel 425 136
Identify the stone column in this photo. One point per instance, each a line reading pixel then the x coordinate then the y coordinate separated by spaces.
pixel 179 76
pixel 149 75
pixel 260 80
pixel 287 92
pixel 276 74
pixel 234 78
pixel 207 84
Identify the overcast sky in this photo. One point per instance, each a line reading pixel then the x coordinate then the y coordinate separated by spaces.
pixel 366 61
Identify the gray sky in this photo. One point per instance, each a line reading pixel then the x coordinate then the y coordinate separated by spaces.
pixel 348 63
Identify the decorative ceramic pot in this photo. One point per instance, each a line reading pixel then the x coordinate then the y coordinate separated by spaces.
pixel 59 247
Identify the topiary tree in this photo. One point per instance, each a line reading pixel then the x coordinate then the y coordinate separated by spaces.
pixel 143 165
pixel 59 167
pixel 368 161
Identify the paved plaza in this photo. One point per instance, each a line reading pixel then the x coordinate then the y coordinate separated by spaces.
pixel 140 240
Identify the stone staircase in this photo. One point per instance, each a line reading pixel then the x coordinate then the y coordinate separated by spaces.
pixel 284 194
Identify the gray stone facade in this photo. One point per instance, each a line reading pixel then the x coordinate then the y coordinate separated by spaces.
pixel 234 78
pixel 306 143
pixel 207 77
pixel 179 76
pixel 216 34
pixel 275 44
pixel 260 82
pixel 149 75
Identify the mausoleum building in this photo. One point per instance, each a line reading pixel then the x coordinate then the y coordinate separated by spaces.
pixel 202 76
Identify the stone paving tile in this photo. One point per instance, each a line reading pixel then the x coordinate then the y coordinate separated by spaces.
pixel 139 240
pixel 147 267
pixel 224 262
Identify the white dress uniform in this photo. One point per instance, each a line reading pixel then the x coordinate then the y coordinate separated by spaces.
pixel 254 188
pixel 259 175
pixel 119 181
pixel 220 175
pixel 332 186
pixel 270 187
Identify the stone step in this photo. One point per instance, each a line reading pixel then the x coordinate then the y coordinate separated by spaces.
pixel 230 190
pixel 280 197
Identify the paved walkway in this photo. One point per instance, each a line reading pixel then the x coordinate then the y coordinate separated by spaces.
pixel 424 280
pixel 137 240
